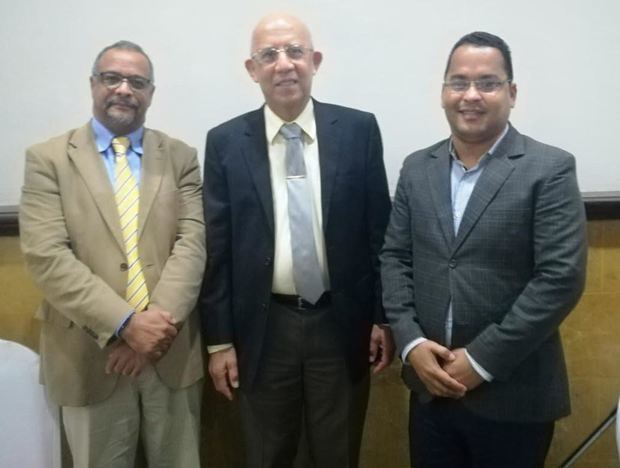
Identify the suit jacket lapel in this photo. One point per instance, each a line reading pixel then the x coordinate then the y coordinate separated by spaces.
pixel 495 173
pixel 150 175
pixel 254 148
pixel 438 174
pixel 83 152
pixel 328 138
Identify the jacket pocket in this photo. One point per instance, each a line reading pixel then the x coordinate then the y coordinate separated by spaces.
pixel 47 313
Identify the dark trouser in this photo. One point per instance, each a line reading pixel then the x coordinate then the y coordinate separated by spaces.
pixel 303 376
pixel 443 433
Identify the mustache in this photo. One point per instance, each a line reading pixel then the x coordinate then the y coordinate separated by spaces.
pixel 124 101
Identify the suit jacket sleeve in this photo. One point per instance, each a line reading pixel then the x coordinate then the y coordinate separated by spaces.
pixel 397 270
pixel 216 302
pixel 67 283
pixel 557 281
pixel 378 209
pixel 179 284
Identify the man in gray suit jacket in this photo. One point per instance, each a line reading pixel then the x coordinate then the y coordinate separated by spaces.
pixel 484 256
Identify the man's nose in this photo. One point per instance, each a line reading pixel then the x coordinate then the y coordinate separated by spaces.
pixel 472 93
pixel 283 61
pixel 123 87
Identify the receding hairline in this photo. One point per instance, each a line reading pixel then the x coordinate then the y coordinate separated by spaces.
pixel 280 20
pixel 127 46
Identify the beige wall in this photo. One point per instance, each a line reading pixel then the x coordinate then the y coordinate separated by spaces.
pixel 591 338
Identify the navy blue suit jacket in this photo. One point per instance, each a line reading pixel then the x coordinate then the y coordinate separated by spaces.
pixel 240 231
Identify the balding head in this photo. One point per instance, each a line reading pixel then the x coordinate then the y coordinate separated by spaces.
pixel 283 72
pixel 277 22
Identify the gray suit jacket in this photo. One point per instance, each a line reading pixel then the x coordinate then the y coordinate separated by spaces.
pixel 514 270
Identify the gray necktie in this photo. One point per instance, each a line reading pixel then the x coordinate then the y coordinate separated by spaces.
pixel 306 269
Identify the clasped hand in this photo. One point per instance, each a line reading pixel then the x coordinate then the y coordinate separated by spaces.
pixel 150 332
pixel 445 373
pixel 146 338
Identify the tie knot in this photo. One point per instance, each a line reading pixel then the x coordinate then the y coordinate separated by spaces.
pixel 290 131
pixel 120 145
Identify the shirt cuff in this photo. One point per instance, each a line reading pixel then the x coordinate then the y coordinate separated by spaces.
pixel 123 324
pixel 407 349
pixel 478 368
pixel 218 347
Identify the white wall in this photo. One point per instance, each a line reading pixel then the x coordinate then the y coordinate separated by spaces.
pixel 383 56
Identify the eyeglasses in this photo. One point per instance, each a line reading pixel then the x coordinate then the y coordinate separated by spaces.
pixel 270 55
pixel 113 80
pixel 483 86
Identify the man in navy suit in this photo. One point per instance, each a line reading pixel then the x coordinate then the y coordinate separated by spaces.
pixel 295 328
pixel 484 256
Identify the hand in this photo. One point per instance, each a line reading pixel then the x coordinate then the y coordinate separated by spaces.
pixel 123 360
pixel 381 348
pixel 427 359
pixel 223 371
pixel 461 369
pixel 150 332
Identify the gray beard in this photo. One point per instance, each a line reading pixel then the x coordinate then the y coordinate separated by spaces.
pixel 121 119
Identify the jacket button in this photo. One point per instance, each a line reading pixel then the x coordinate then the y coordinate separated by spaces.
pixel 452 263
pixel 268 261
pixel 124 267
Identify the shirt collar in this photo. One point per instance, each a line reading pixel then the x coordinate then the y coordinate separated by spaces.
pixel 484 156
pixel 103 137
pixel 305 120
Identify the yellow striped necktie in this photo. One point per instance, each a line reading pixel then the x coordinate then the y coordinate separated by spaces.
pixel 127 198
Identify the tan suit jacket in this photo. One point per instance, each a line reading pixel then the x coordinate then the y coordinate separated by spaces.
pixel 71 240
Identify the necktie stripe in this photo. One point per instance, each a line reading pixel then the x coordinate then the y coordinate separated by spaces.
pixel 133 251
pixel 124 181
pixel 129 230
pixel 130 205
pixel 122 198
pixel 131 248
pixel 142 303
pixel 124 188
pixel 127 198
pixel 133 285
pixel 134 263
pixel 129 213
pixel 137 294
pixel 131 281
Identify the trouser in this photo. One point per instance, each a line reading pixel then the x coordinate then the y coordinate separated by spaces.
pixel 303 379
pixel 106 434
pixel 445 434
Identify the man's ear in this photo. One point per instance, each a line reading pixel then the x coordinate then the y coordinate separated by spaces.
pixel 250 66
pixel 317 58
pixel 513 94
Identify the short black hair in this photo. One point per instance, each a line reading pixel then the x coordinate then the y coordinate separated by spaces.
pixel 485 39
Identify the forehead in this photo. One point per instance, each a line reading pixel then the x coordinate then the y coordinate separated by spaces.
pixel 280 33
pixel 472 61
pixel 127 62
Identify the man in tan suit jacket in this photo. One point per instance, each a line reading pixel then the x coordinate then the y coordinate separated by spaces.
pixel 118 371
